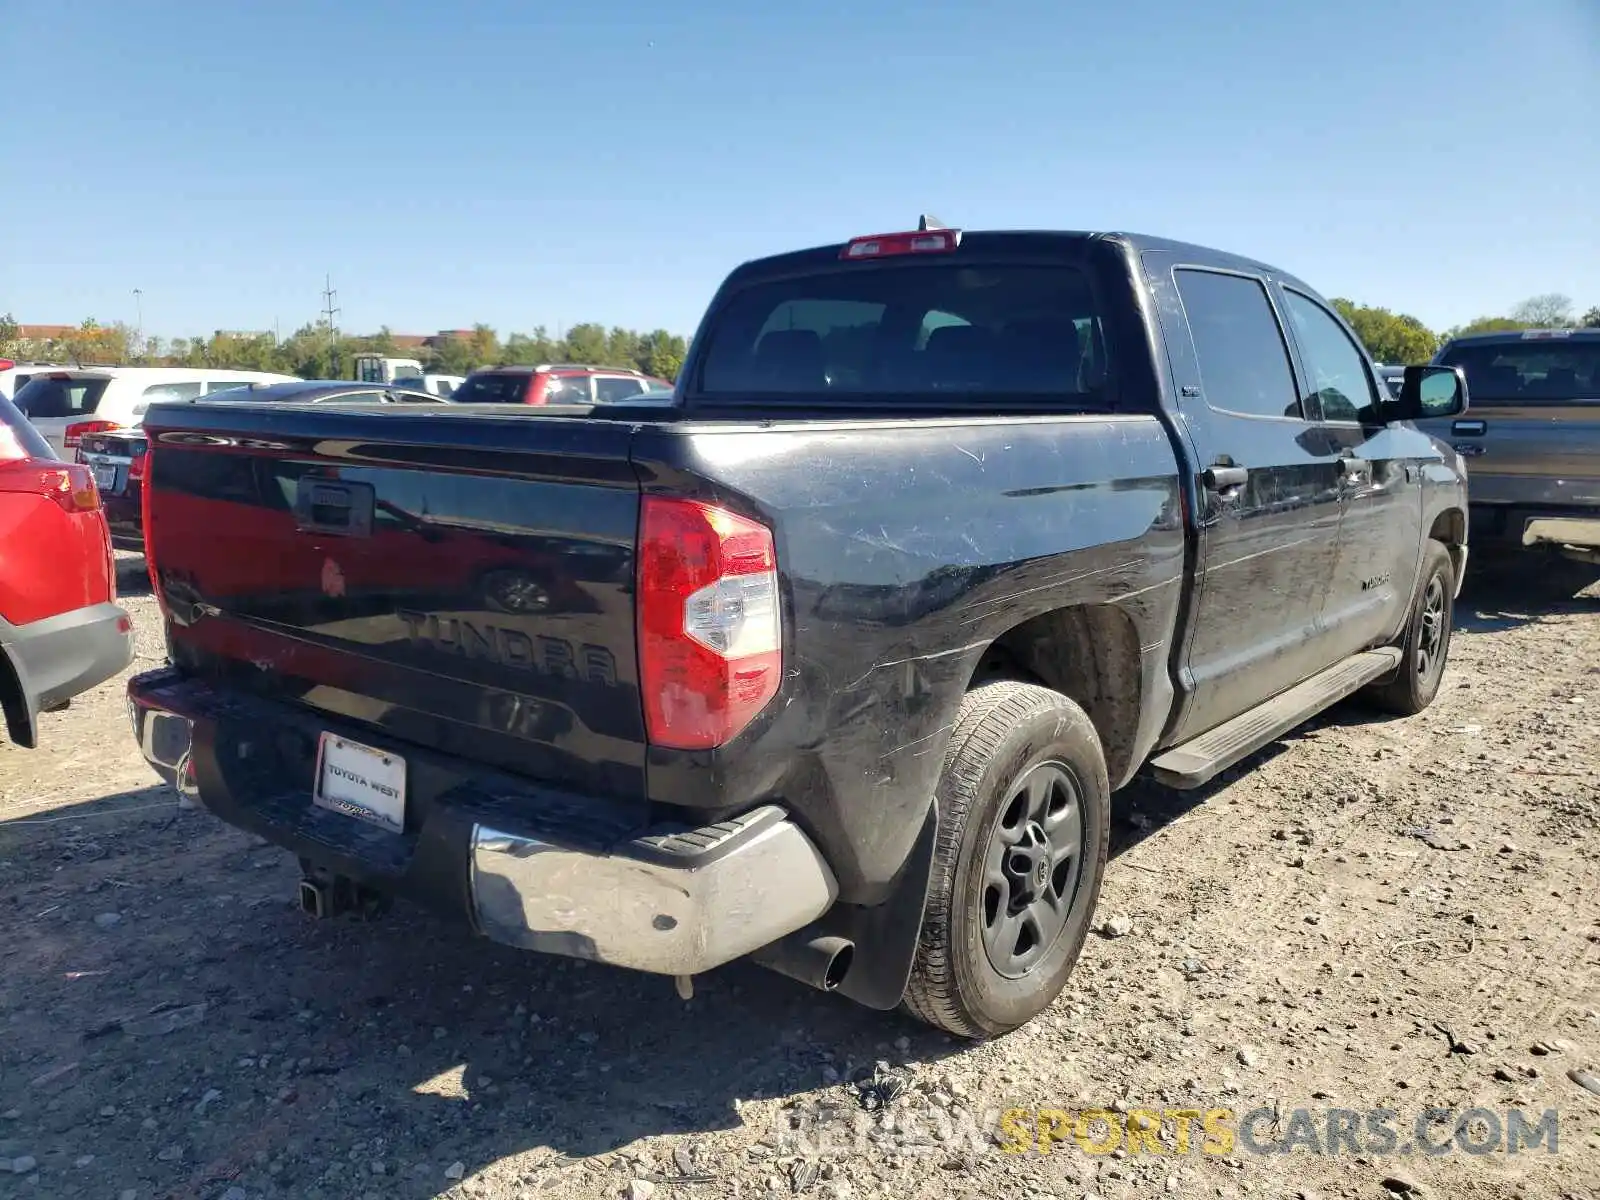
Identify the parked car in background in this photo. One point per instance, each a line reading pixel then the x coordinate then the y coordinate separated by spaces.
pixel 61 631
pixel 945 538
pixel 14 375
pixel 567 383
pixel 117 456
pixel 443 386
pixel 66 403
pixel 376 368
pixel 1532 444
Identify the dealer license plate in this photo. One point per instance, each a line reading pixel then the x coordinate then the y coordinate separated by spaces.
pixel 361 782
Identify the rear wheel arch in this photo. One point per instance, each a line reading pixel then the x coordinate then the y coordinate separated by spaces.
pixel 1090 654
pixel 19 718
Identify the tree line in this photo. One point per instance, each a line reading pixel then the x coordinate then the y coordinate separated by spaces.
pixel 1400 338
pixel 316 351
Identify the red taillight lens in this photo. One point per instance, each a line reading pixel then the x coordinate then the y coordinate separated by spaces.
pixel 77 429
pixel 136 468
pixel 884 245
pixel 68 484
pixel 710 631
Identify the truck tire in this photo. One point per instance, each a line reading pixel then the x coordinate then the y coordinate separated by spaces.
pixel 1024 826
pixel 1425 645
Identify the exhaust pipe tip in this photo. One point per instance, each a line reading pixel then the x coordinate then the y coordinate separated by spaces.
pixel 819 962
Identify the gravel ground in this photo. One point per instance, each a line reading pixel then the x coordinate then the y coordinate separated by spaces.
pixel 1373 914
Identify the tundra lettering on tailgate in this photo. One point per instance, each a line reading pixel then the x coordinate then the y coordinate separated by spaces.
pixel 511 647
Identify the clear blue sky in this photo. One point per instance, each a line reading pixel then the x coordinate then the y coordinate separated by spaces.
pixel 522 162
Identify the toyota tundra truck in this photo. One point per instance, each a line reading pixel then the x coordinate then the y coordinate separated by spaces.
pixel 835 662
pixel 1532 447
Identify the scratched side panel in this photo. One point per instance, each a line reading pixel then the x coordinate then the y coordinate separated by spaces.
pixel 906 549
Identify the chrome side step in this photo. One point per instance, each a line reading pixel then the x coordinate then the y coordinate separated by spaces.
pixel 1198 761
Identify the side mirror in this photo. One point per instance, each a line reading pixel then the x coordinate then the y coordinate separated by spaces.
pixel 1428 392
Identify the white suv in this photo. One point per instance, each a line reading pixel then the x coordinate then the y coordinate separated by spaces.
pixel 14 375
pixel 67 402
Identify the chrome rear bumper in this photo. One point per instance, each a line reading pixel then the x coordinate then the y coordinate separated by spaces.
pixel 674 904
pixel 672 901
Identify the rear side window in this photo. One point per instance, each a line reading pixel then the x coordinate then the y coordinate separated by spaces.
pixel 1244 361
pixel 51 396
pixel 911 330
pixel 1531 370
pixel 21 440
pixel 493 388
pixel 609 389
pixel 568 389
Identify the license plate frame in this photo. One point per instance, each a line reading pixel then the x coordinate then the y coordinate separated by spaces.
pixel 367 784
pixel 105 475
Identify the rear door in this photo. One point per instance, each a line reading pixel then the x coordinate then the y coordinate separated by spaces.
pixel 53 401
pixel 1270 494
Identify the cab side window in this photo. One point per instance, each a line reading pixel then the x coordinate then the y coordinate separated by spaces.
pixel 1341 386
pixel 1243 358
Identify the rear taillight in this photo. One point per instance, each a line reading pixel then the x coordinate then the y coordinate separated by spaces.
pixel 69 484
pixel 140 456
pixel 76 431
pixel 710 631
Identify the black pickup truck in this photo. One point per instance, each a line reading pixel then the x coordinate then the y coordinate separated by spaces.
pixel 835 663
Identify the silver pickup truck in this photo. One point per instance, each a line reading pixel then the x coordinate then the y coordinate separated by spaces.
pixel 1531 442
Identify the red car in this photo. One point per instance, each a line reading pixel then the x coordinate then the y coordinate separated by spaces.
pixel 565 383
pixel 61 631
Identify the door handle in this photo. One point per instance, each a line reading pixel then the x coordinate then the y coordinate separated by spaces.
pixel 1469 428
pixel 1220 479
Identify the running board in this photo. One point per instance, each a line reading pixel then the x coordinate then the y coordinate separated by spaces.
pixel 1196 762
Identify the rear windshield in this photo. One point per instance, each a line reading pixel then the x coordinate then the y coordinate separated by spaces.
pixel 498 388
pixel 51 396
pixel 24 440
pixel 911 330
pixel 1535 369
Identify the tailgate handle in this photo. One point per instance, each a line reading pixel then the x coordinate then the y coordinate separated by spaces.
pixel 327 506
pixel 1469 428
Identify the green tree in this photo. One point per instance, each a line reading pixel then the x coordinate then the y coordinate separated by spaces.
pixel 661 354
pixel 1551 310
pixel 1389 337
pixel 1591 319
pixel 1486 325
pixel 10 337
pixel 585 343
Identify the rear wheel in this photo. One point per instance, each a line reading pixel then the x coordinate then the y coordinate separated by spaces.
pixel 1426 643
pixel 1024 822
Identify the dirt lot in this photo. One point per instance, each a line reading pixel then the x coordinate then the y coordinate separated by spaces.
pixel 1372 915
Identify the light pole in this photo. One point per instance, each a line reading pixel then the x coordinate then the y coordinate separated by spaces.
pixel 138 331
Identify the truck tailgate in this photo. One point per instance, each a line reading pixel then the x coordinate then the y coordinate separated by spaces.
pixel 1534 454
pixel 410 572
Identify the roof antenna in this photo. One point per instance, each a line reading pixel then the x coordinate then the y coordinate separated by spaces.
pixel 928 221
